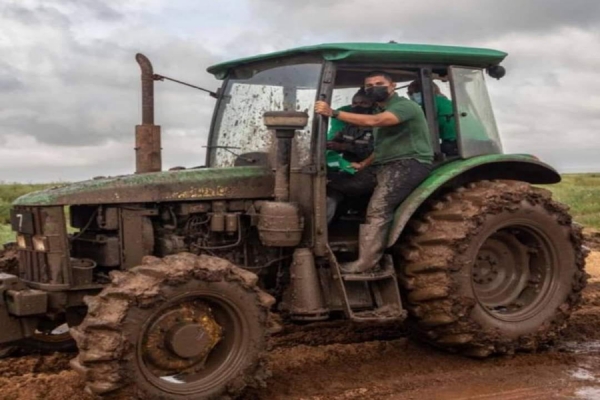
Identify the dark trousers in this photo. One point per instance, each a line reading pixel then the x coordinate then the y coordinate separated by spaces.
pixel 390 183
pixel 395 181
pixel 449 148
pixel 342 184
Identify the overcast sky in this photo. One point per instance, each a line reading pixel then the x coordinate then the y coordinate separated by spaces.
pixel 69 85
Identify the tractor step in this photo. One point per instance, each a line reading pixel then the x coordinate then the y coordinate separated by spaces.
pixel 383 289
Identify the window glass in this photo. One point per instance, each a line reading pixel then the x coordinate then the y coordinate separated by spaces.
pixel 478 133
pixel 239 127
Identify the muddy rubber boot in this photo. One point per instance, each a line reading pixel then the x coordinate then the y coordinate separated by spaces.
pixel 372 241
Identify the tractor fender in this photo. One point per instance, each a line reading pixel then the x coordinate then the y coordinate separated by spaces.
pixel 520 167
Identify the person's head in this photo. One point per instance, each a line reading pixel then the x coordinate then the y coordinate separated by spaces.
pixel 361 103
pixel 414 91
pixel 379 85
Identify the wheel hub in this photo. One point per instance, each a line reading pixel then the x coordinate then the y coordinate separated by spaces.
pixel 189 340
pixel 501 271
pixel 485 269
pixel 181 338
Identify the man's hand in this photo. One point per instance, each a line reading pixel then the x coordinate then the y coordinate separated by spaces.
pixel 323 108
pixel 337 146
pixel 357 165
pixel 364 163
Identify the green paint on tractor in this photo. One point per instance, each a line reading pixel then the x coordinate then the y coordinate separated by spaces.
pixel 529 168
pixel 191 184
pixel 377 52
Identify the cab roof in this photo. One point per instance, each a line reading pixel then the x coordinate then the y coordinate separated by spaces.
pixel 377 52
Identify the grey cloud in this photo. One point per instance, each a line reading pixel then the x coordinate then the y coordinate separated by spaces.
pixel 98 9
pixel 88 93
pixel 41 15
pixel 71 93
pixel 9 84
pixel 461 21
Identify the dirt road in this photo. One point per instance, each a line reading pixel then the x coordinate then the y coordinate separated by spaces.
pixel 340 361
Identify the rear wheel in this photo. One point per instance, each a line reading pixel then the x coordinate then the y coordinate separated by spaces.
pixel 181 327
pixel 493 267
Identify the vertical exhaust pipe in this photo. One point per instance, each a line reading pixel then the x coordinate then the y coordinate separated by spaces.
pixel 147 135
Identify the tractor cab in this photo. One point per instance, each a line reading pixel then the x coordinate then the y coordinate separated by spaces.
pixel 293 80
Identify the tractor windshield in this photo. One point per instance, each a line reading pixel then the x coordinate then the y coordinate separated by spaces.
pixel 239 134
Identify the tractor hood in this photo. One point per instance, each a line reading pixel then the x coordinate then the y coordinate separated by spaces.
pixel 184 185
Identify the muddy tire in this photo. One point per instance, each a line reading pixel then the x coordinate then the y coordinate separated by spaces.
pixel 184 326
pixel 493 267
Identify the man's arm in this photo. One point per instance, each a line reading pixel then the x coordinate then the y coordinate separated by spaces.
pixel 383 119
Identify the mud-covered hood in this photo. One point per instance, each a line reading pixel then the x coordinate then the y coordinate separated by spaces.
pixel 192 184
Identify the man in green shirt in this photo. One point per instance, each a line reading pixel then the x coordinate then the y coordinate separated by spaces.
pixel 402 157
pixel 444 114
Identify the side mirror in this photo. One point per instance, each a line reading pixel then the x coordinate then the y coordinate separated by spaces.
pixel 496 71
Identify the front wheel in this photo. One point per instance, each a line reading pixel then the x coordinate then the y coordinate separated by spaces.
pixel 493 267
pixel 182 327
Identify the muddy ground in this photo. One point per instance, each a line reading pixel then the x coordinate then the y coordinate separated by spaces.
pixel 339 361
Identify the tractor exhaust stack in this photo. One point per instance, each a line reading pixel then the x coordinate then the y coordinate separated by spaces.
pixel 147 135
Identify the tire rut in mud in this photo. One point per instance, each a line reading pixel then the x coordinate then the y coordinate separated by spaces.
pixel 335 332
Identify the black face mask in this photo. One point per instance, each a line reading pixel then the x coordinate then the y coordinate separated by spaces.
pixel 377 93
pixel 361 110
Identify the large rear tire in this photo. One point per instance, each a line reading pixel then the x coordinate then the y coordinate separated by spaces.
pixel 184 326
pixel 493 267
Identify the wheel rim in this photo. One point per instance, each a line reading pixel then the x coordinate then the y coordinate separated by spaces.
pixel 192 344
pixel 513 272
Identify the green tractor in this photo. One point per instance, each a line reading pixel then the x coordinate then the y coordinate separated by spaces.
pixel 174 280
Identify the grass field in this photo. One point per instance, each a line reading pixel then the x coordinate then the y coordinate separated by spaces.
pixel 581 192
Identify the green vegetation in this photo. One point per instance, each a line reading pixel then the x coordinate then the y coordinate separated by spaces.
pixel 581 192
pixel 8 193
pixel 6 234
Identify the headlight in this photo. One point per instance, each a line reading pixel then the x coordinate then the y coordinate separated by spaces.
pixel 40 243
pixel 21 242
